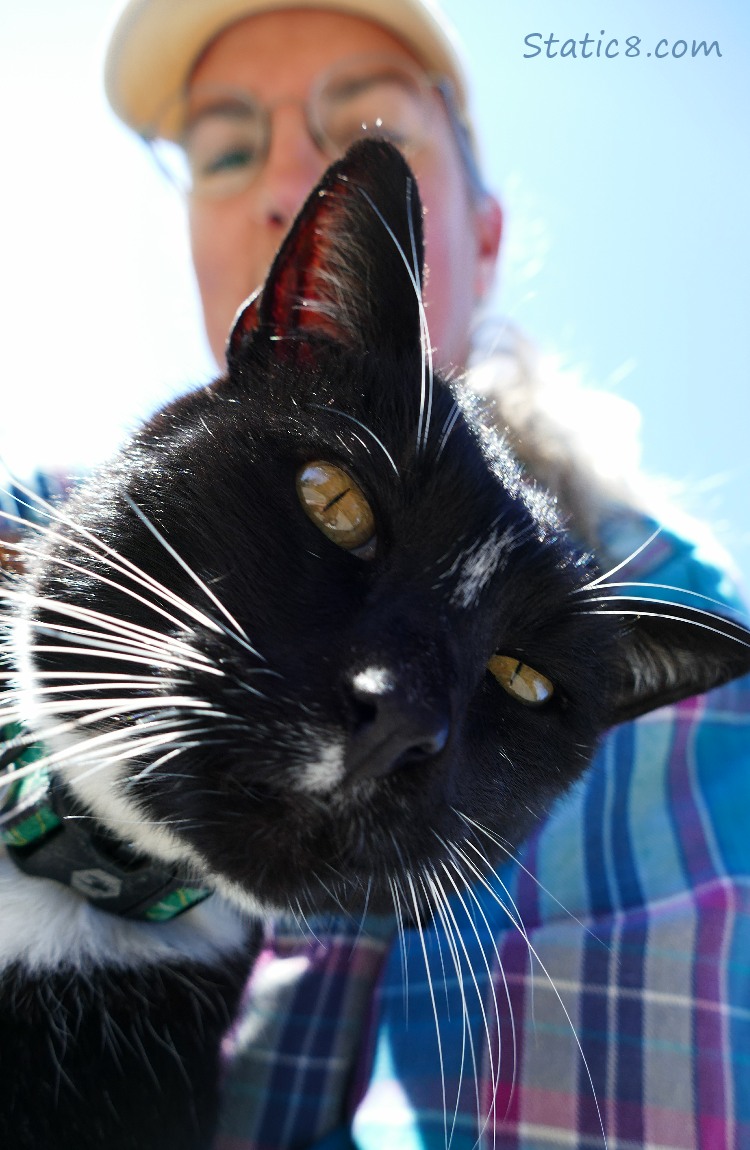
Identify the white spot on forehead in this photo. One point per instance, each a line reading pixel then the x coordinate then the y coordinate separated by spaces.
pixel 478 564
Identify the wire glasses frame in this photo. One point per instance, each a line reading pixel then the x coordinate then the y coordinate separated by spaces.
pixel 212 142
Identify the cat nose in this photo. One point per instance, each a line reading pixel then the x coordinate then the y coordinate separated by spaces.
pixel 391 728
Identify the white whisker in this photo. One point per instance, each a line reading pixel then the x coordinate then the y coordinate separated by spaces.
pixel 110 760
pixel 114 642
pixel 91 641
pixel 425 413
pixel 494 1066
pixel 365 428
pixel 624 562
pixel 91 680
pixel 106 623
pixel 121 657
pixel 515 918
pixel 154 741
pixel 517 862
pixel 81 747
pixel 431 989
pixel 394 888
pixel 724 633
pixel 451 929
pixel 82 753
pixel 198 616
pixel 686 591
pixel 92 710
pixel 494 1070
pixel 149 770
pixel 238 634
pixel 448 427
pixel 132 571
pixel 427 383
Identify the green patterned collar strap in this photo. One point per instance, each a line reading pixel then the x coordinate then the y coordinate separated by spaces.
pixel 45 835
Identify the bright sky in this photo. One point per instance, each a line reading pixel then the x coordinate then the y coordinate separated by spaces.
pixel 625 182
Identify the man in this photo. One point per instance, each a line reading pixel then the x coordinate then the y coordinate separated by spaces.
pixel 234 237
pixel 631 1023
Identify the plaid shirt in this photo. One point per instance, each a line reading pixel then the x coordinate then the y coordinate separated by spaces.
pixel 604 977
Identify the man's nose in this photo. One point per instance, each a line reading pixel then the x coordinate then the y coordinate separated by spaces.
pixel 293 166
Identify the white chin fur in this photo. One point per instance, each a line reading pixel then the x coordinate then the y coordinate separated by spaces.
pixel 322 774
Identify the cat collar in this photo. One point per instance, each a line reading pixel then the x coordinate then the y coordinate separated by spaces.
pixel 46 835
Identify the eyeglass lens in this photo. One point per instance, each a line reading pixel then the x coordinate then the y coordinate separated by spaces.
pixel 226 135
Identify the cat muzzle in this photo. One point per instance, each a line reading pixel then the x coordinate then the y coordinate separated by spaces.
pixel 392 728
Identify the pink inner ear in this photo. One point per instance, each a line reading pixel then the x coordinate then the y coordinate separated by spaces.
pixel 296 296
pixel 293 298
pixel 337 274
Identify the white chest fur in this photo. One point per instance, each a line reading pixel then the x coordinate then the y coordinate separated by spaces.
pixel 46 926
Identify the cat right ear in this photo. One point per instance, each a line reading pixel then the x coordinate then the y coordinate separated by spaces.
pixel 245 323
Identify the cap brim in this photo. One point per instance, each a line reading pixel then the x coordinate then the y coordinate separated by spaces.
pixel 155 44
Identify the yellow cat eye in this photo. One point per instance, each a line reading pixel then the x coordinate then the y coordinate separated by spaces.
pixel 521 681
pixel 337 505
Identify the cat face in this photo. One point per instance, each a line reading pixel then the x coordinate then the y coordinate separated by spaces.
pixel 345 629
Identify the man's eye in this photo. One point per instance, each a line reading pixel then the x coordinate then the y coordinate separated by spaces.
pixel 221 147
pixel 227 161
pixel 380 106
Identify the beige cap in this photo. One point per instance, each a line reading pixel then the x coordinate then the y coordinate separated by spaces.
pixel 155 44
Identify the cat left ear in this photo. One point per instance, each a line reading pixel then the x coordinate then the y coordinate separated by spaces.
pixel 350 268
pixel 670 652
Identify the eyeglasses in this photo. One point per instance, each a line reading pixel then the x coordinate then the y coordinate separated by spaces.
pixel 212 142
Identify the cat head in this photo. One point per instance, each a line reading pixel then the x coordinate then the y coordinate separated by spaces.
pixel 345 627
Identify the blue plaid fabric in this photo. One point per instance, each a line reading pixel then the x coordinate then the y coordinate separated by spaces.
pixel 19 501
pixel 598 988
pixel 290 1055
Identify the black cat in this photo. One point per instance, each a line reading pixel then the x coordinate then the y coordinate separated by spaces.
pixel 310 623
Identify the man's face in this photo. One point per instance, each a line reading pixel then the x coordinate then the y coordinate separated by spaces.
pixel 278 56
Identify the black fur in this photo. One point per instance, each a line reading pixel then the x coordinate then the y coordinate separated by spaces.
pixel 118 1059
pixel 326 364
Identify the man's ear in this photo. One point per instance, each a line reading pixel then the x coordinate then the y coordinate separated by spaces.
pixel 488 225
